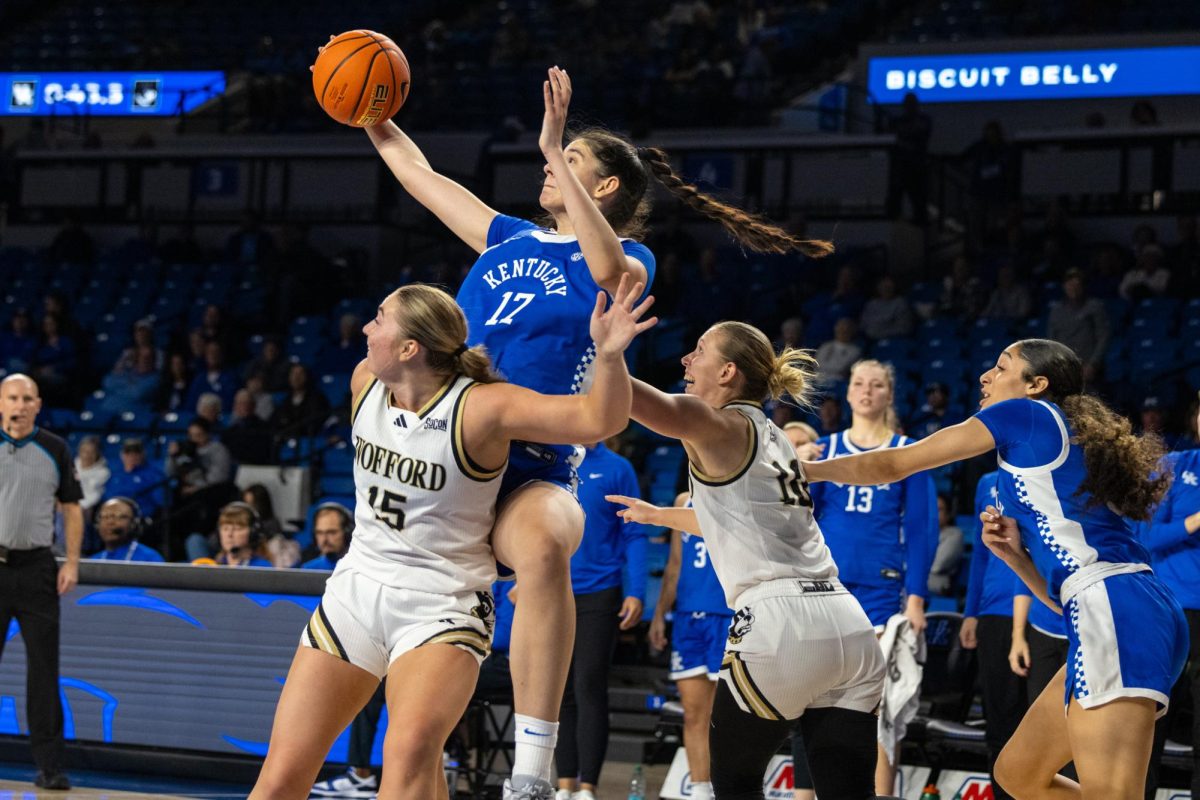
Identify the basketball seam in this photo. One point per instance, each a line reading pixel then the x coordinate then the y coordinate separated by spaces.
pixel 401 87
pixel 395 83
pixel 342 63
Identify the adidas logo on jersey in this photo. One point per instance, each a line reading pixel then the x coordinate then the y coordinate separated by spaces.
pixel 399 422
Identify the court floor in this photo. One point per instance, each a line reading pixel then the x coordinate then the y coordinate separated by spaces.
pixel 16 783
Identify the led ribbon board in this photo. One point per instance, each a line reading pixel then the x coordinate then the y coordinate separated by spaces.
pixel 152 94
pixel 1036 75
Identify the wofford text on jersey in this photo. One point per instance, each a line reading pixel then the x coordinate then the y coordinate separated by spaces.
pixel 393 466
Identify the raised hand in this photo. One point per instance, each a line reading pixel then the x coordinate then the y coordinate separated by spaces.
pixel 556 93
pixel 613 329
pixel 1002 536
pixel 635 510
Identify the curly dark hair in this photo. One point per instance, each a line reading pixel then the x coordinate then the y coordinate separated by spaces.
pixel 1123 469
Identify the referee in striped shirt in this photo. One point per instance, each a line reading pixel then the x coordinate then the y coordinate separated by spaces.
pixel 36 471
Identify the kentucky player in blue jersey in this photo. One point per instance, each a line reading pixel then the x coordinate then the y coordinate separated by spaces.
pixel 882 537
pixel 691 589
pixel 1071 474
pixel 1171 537
pixel 528 298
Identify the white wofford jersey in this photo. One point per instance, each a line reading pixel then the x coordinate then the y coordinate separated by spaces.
pixel 423 510
pixel 757 521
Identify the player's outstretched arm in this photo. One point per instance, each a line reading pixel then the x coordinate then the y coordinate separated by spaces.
pixel 637 510
pixel 573 419
pixel 891 464
pixel 458 209
pixel 601 248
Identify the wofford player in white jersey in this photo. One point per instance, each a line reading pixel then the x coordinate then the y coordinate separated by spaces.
pixel 432 431
pixel 800 645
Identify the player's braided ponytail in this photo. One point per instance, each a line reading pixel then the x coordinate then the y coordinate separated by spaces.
pixel 629 208
pixel 1123 469
pixel 748 229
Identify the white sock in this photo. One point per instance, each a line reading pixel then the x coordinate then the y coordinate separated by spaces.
pixel 535 740
pixel 702 791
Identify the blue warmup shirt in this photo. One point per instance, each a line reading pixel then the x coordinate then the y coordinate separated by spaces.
pixel 613 552
pixel 1041 616
pixel 698 589
pixel 1041 471
pixel 878 533
pixel 320 562
pixel 529 299
pixel 134 551
pixel 502 632
pixel 990 584
pixel 1174 553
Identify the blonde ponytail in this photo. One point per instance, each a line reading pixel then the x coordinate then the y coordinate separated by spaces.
pixel 793 374
pixel 767 375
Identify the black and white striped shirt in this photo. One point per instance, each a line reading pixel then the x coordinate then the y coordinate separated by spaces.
pixel 35 472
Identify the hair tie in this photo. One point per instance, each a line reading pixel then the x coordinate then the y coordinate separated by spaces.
pixel 458 351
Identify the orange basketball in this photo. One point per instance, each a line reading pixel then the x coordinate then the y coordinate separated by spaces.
pixel 361 78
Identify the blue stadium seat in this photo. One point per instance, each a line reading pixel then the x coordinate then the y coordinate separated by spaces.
pixel 135 421
pixel 336 387
pixel 337 484
pixel 892 349
pixel 173 423
pixel 338 460
pixel 97 421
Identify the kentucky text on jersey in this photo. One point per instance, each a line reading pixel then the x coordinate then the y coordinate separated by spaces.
pixel 394 466
pixel 543 270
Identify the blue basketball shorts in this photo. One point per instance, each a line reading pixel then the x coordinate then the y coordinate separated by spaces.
pixel 698 644
pixel 1127 637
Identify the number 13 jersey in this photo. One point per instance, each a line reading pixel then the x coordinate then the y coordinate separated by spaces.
pixel 529 299
pixel 757 521
pixel 423 510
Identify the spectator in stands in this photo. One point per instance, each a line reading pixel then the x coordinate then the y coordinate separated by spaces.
pixel 137 388
pixel 962 292
pixel 934 413
pixel 347 350
pixel 791 334
pixel 1183 257
pixel 264 403
pixel 1107 271
pixel 54 303
pixel 825 309
pixel 240 537
pixel 1149 276
pixel 174 385
pixel 887 315
pixel 608 578
pixel 280 549
pixel 1144 235
pixel 271 365
pixel 215 377
pixel 208 406
pixel 994 171
pixel 204 470
pixel 119 522
pixel 54 362
pixel 1153 422
pixel 137 479
pixel 1010 300
pixel 248 436
pixel 304 410
pixel 830 415
pixel 333 525
pixel 18 345
pixel 1081 323
pixel 143 337
pixel 214 327
pixel 837 355
pixel 250 243
pixel 93 473
pixel 948 557
pixel 908 173
pixel 72 244
pixel 196 344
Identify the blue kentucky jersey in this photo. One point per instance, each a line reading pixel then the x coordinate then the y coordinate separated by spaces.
pixel 878 534
pixel 1041 473
pixel 529 299
pixel 1175 553
pixel 698 589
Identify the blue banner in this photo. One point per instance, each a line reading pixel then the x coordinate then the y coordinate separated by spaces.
pixel 153 94
pixel 1036 75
